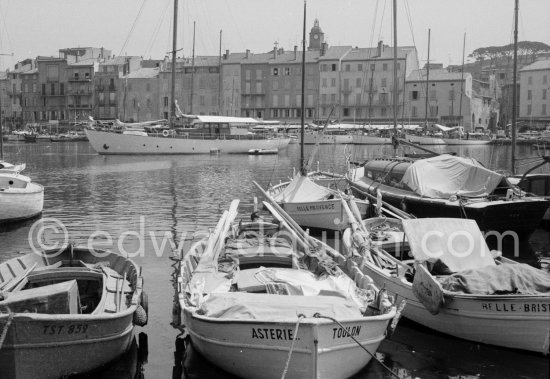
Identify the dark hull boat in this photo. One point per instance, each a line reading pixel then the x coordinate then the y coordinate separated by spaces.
pixel 447 186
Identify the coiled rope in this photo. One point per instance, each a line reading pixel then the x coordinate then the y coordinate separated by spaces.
pixel 318 315
pixel 300 317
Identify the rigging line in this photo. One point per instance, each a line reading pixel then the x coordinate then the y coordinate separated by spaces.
pixel 382 20
pixel 133 27
pixel 156 30
pixel 155 33
pixel 6 32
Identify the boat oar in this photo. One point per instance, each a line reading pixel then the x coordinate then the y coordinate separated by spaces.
pixel 283 214
pixel 11 284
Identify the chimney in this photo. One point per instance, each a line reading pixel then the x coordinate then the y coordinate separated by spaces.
pixel 379 49
pixel 226 54
pixel 295 52
pixel 247 53
pixel 275 52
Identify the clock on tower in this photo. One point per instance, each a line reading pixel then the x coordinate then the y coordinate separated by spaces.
pixel 316 37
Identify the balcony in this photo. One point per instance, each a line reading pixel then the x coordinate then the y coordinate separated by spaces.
pixel 85 92
pixel 79 106
pixel 49 94
pixel 79 79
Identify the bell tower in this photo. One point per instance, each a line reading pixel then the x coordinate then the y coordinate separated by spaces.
pixel 316 36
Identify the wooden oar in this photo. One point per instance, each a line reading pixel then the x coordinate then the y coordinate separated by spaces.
pixel 11 284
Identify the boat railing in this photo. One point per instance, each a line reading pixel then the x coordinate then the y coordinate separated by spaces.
pixel 206 136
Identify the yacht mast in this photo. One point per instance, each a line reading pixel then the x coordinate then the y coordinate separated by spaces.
pixel 395 84
pixel 462 81
pixel 514 95
pixel 302 113
pixel 220 77
pixel 427 81
pixel 173 78
pixel 193 70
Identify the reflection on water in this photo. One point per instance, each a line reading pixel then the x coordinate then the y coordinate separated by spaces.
pixel 166 200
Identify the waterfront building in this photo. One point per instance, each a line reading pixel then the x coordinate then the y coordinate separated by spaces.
pixel 109 88
pixel 30 97
pixel 231 83
pixel 534 95
pixel 139 99
pixel 12 108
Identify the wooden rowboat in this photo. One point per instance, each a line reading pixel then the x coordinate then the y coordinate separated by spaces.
pixel 260 298
pixel 67 311
pixel 516 319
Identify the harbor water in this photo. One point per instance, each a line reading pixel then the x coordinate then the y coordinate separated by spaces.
pixel 146 206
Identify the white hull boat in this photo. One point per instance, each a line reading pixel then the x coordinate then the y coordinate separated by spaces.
pixel 464 141
pixel 512 320
pixel 366 139
pixel 20 199
pixel 425 140
pixel 315 201
pixel 65 312
pixel 264 311
pixel 327 139
pixel 109 143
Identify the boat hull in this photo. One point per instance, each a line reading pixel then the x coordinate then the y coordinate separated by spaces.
pixel 326 139
pixel 518 322
pixel 107 143
pixel 37 346
pixel 520 216
pixel 21 204
pixel 364 139
pixel 424 140
pixel 457 141
pixel 255 349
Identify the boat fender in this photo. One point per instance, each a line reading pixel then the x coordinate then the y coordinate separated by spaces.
pixel 141 315
pixel 403 205
pixel 165 133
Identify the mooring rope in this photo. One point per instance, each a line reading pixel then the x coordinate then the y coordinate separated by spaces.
pixel 318 315
pixel 300 317
pixel 5 330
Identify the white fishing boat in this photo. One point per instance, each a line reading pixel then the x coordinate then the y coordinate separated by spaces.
pixel 262 299
pixel 67 311
pixel 471 292
pixel 205 135
pixel 20 198
pixel 313 205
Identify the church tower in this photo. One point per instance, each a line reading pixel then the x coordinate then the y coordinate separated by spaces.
pixel 316 37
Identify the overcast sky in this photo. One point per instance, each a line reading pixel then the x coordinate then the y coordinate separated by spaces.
pixel 29 28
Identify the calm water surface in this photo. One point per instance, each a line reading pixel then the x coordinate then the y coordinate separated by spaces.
pixel 170 200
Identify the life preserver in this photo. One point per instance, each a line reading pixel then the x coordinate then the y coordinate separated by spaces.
pixel 165 133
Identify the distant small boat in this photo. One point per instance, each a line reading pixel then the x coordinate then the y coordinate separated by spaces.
pixel 68 311
pixel 69 137
pixel 30 138
pixel 20 198
pixel 252 300
pixel 263 151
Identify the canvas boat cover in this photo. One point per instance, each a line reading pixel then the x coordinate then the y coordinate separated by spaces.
pixel 302 189
pixel 446 175
pixel 457 242
pixel 270 308
pixel 502 279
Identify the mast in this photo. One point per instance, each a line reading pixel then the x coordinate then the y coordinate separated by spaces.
pixel 173 79
pixel 220 77
pixel 193 70
pixel 1 127
pixel 462 79
pixel 404 82
pixel 303 105
pixel 395 94
pixel 514 95
pixel 427 81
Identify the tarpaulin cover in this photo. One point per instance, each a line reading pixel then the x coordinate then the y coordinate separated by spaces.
pixel 302 189
pixel 264 307
pixel 447 175
pixel 504 278
pixel 456 242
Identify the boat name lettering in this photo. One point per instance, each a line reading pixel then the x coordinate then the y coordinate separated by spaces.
pixel 65 329
pixel 320 207
pixel 272 334
pixel 508 307
pixel 343 333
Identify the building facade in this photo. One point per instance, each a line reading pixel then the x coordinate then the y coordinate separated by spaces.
pixel 535 93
